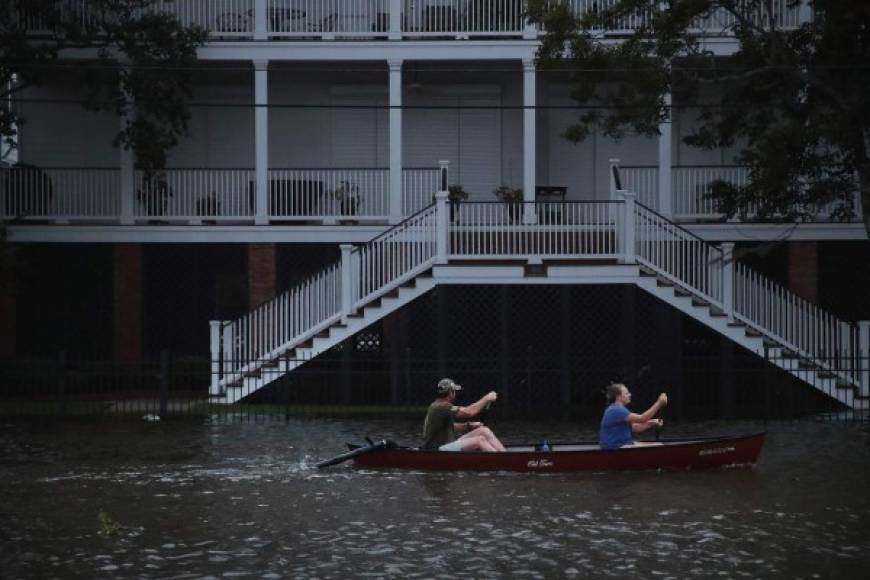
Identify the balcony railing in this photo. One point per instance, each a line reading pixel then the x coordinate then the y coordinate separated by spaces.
pixel 332 19
pixel 196 195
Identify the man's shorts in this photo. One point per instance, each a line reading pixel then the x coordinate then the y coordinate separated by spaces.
pixel 452 446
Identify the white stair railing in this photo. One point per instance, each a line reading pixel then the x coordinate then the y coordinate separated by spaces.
pixel 679 255
pixel 797 324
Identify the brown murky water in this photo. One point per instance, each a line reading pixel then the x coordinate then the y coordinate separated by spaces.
pixel 189 499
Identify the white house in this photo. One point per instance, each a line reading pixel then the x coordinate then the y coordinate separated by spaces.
pixel 336 122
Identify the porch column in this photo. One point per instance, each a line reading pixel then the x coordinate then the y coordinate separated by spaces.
pixel 261 140
pixel 127 303
pixel 803 270
pixel 665 198
pixel 126 162
pixel 261 274
pixel 529 103
pixel 395 140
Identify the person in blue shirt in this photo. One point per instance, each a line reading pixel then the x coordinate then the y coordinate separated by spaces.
pixel 619 424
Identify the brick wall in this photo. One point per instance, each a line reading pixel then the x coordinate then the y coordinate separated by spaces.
pixel 128 303
pixel 803 270
pixel 261 273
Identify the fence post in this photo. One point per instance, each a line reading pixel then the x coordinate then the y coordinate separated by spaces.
pixel 864 356
pixel 164 383
pixel 728 279
pixel 346 281
pixel 395 20
pixel 441 223
pixel 214 327
pixel 627 234
pixel 613 170
pixel 261 30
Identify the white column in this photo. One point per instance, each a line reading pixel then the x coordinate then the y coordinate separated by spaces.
pixel 261 31
pixel 612 169
pixel 864 355
pixel 261 140
pixel 529 104
pixel 441 224
pixel 395 141
pixel 127 161
pixel 346 281
pixel 395 20
pixel 627 237
pixel 215 342
pixel 728 279
pixel 665 196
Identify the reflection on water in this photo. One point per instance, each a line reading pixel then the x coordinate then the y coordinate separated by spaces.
pixel 189 499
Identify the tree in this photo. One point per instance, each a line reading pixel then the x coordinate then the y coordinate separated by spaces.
pixel 794 99
pixel 138 65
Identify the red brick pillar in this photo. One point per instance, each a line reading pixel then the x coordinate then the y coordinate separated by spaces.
pixel 8 314
pixel 128 303
pixel 261 273
pixel 803 270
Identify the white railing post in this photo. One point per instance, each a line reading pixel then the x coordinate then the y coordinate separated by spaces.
pixel 728 279
pixel 261 141
pixel 346 281
pixel 395 20
pixel 613 164
pixel 215 342
pixel 627 237
pixel 441 222
pixel 864 356
pixel 261 31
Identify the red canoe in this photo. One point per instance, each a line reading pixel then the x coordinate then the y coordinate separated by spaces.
pixel 671 454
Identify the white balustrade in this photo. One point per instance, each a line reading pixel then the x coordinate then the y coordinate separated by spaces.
pixel 329 193
pixel 785 14
pixel 644 181
pixel 679 255
pixel 691 189
pixel 461 18
pixel 59 193
pixel 193 194
pixel 796 323
pixel 395 256
pixel 221 18
pixel 563 229
pixel 626 23
pixel 328 18
pixel 277 325
pixel 419 185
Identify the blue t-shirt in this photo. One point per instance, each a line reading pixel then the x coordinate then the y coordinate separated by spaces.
pixel 615 429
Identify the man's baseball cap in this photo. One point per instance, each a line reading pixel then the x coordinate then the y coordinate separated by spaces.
pixel 447 385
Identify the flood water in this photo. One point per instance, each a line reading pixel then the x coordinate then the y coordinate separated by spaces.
pixel 199 498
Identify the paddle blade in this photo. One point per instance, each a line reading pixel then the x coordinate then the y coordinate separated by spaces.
pixel 383 444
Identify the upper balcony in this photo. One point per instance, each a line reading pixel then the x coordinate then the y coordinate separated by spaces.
pixel 318 20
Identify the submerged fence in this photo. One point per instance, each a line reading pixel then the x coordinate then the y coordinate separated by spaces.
pixel 535 384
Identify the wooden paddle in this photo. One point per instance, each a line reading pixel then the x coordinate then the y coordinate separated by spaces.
pixel 382 444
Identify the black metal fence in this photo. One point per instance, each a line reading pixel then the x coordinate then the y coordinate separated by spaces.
pixel 742 385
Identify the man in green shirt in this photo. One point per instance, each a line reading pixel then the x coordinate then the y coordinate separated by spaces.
pixel 444 420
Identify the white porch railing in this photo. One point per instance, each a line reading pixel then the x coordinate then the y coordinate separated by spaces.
pixel 328 18
pixel 691 189
pixel 419 185
pixel 782 13
pixel 194 194
pixel 462 18
pixel 560 229
pixel 797 324
pixel 643 180
pixel 221 18
pixel 329 193
pixel 57 193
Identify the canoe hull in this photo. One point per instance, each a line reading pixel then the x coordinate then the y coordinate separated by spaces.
pixel 704 453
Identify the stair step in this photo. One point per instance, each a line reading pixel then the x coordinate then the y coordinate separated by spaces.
pixel 663 281
pixel 644 271
pixel 681 293
pixel 717 312
pixel 699 302
pixel 751 332
pixel 805 364
pixel 736 324
pixel 827 375
pixel 394 293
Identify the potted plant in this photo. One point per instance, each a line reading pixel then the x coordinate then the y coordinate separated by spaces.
pixel 347 196
pixel 455 196
pixel 513 197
